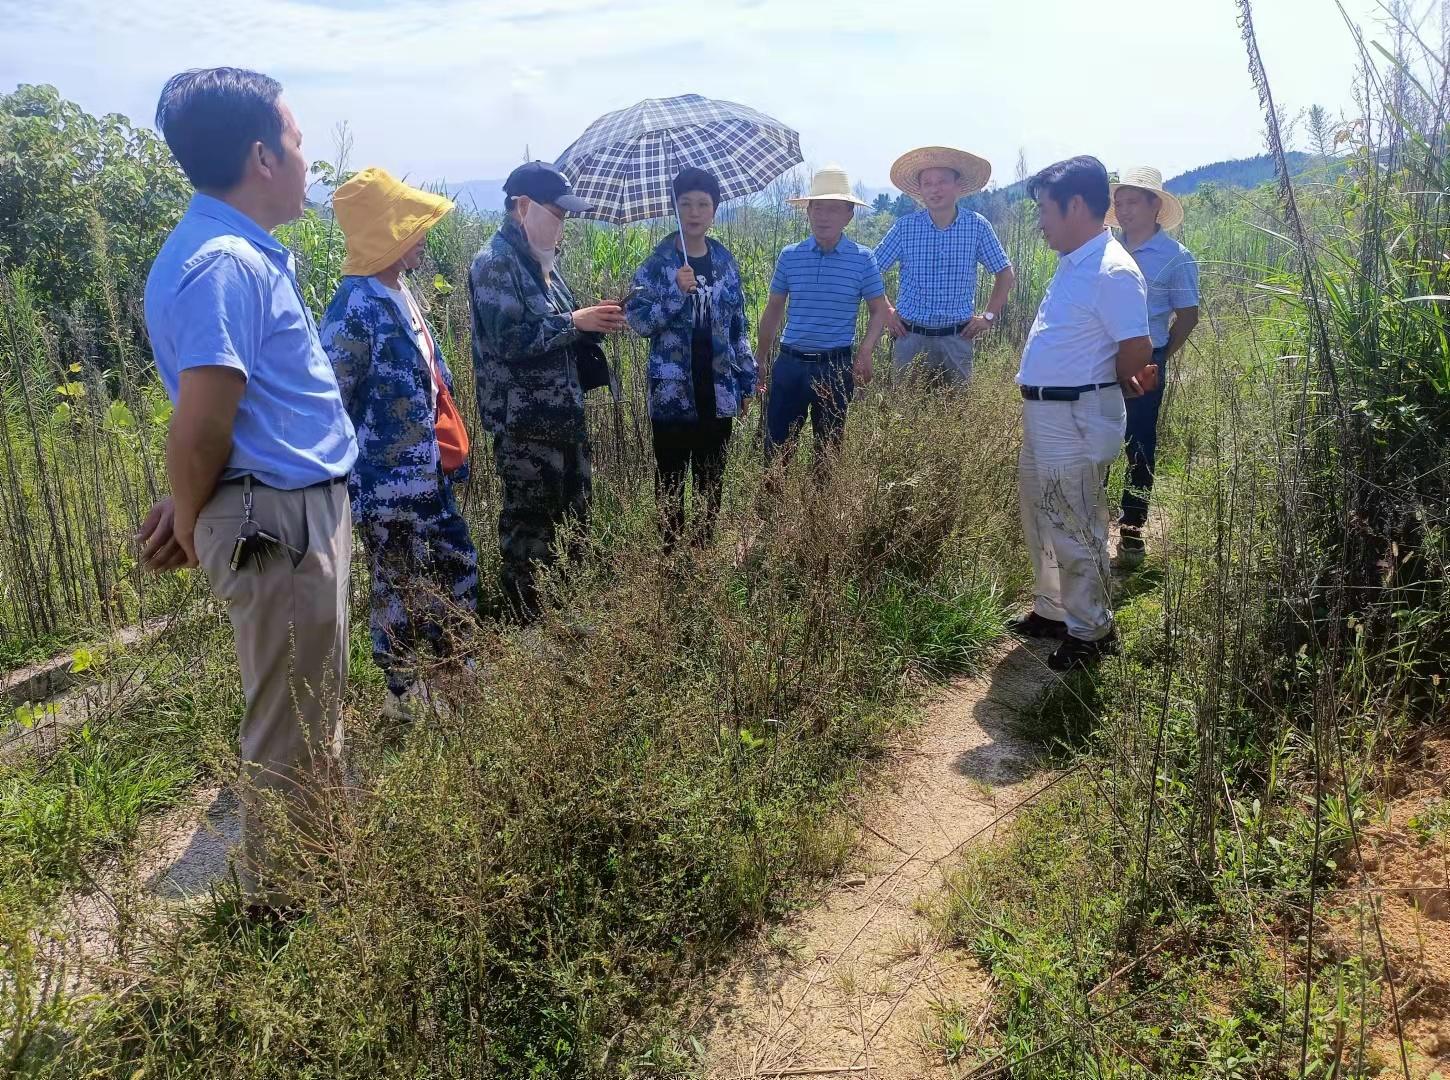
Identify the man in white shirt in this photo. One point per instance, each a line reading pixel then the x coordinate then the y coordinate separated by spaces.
pixel 1088 348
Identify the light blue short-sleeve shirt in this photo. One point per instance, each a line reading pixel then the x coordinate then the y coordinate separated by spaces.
pixel 223 292
pixel 825 289
pixel 1171 273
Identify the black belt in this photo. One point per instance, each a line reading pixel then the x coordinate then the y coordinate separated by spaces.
pixel 935 331
pixel 843 353
pixel 1061 393
pixel 304 487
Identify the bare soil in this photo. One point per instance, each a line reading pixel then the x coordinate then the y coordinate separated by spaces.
pixel 1403 877
pixel 851 985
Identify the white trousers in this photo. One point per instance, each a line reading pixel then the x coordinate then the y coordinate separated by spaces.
pixel 1067 447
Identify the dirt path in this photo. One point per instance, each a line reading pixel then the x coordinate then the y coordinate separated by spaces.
pixel 177 858
pixel 848 988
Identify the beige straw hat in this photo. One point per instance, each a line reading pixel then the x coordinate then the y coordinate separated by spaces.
pixel 1170 214
pixel 973 170
pixel 829 183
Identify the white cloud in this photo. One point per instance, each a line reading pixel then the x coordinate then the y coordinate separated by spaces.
pixel 441 88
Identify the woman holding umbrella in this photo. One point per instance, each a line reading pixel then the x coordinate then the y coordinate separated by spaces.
pixel 689 302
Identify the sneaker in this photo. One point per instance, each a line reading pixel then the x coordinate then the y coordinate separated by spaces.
pixel 1039 626
pixel 1076 653
pixel 1130 556
pixel 271 915
pixel 415 703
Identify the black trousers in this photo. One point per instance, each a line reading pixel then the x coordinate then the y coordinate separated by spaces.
pixel 698 450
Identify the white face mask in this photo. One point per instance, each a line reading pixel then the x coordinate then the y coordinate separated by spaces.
pixel 542 229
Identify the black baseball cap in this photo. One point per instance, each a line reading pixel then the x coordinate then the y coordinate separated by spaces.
pixel 540 181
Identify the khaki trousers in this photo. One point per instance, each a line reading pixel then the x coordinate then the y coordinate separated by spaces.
pixel 1067 448
pixel 290 620
pixel 948 357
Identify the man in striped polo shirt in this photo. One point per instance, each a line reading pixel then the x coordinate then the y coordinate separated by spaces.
pixel 824 278
pixel 939 249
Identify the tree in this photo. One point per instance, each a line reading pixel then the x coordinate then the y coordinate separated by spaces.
pixel 1321 131
pixel 81 198
pixel 882 205
pixel 904 205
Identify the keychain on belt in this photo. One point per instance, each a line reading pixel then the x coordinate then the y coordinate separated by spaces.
pixel 252 542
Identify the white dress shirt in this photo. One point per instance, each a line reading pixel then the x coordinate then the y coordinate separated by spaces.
pixel 1095 300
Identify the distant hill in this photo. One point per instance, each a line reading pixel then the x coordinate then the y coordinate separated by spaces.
pixel 1247 172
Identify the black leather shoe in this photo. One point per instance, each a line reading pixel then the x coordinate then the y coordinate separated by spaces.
pixel 1039 626
pixel 1075 652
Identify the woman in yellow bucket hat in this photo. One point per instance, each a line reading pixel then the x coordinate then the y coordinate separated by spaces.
pixel 412 446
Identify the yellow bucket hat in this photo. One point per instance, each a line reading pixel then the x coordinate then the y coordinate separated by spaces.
pixel 381 218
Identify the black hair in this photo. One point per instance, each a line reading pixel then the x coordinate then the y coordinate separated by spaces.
pixel 509 202
pixel 211 118
pixel 692 179
pixel 1083 175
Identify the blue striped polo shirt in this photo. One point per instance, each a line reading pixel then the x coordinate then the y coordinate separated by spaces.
pixel 825 289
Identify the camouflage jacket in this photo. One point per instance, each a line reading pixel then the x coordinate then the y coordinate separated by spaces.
pixel 525 348
pixel 383 376
pixel 660 312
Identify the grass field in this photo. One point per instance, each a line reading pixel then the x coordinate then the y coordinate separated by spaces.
pixel 537 885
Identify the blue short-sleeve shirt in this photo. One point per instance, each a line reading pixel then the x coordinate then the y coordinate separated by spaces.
pixel 825 289
pixel 223 292
pixel 1171 272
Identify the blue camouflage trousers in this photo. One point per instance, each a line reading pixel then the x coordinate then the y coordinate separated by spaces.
pixel 544 484
pixel 424 578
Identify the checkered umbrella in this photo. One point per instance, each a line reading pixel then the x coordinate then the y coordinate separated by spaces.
pixel 625 161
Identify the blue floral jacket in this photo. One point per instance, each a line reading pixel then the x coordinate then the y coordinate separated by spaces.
pixel 660 312
pixel 383 376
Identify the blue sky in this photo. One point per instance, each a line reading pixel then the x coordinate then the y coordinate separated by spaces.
pixel 443 90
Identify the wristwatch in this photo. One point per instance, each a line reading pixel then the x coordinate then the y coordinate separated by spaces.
pixel 989 316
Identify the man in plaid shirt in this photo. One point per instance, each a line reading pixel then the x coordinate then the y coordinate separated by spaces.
pixel 939 249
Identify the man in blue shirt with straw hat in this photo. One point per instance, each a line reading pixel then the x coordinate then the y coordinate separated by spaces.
pixel 1145 211
pixel 935 321
pixel 824 279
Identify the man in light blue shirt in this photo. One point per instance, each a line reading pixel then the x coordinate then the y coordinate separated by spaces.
pixel 259 445
pixel 935 321
pixel 824 280
pixel 1145 211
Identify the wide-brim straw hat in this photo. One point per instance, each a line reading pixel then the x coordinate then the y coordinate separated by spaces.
pixel 1170 212
pixel 972 171
pixel 830 183
pixel 381 218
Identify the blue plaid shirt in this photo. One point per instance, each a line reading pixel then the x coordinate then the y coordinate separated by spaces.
pixel 939 266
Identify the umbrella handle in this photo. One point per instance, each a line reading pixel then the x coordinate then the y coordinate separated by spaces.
pixel 680 224
pixel 675 202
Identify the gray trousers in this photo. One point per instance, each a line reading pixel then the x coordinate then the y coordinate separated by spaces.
pixel 948 357
pixel 290 621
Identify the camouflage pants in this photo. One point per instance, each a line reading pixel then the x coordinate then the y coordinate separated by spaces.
pixel 544 484
pixel 424 574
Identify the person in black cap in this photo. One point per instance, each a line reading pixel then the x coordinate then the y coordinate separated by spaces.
pixel 689 302
pixel 530 345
